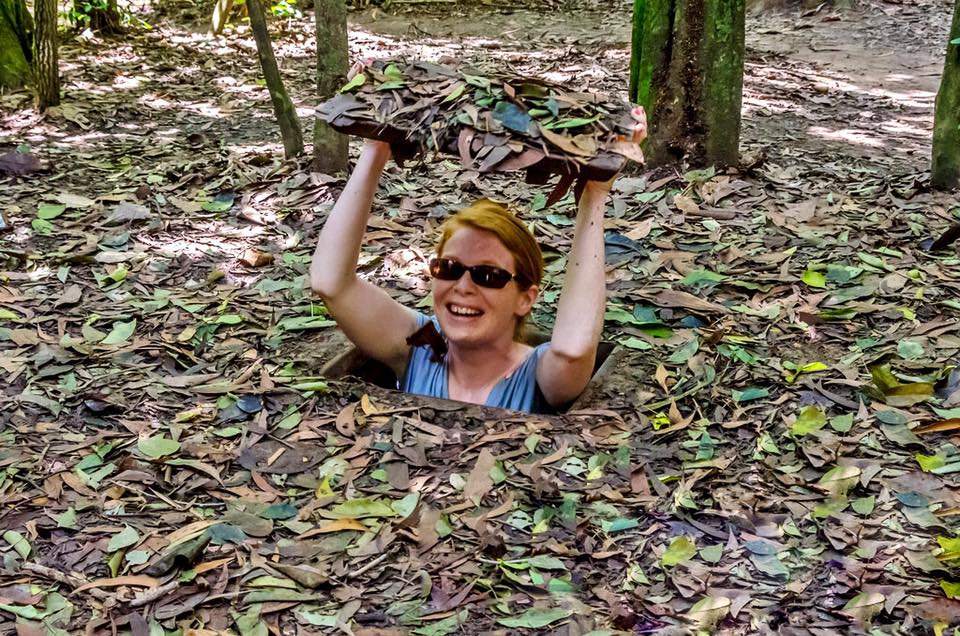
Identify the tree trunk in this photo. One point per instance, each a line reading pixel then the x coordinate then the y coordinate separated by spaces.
pixel 333 59
pixel 686 70
pixel 46 67
pixel 221 13
pixel 945 167
pixel 16 31
pixel 283 108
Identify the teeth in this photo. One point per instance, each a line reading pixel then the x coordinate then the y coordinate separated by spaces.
pixel 464 311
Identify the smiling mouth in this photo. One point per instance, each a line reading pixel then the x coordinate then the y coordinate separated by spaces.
pixel 463 312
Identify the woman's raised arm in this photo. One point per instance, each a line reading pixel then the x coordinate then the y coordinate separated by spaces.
pixel 374 321
pixel 566 367
pixel 564 371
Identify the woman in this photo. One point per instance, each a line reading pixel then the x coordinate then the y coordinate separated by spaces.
pixel 487 275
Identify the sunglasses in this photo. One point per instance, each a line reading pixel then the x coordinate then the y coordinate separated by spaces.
pixel 483 275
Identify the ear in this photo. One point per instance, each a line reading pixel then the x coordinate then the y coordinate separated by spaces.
pixel 526 300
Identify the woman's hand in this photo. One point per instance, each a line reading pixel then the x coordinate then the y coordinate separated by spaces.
pixel 640 124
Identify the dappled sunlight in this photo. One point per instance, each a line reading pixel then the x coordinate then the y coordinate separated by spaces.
pixel 848 135
pixel 246 150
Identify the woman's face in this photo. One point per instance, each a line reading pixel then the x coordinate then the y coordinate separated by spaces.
pixel 471 315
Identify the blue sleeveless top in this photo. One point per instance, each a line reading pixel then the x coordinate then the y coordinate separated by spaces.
pixel 518 391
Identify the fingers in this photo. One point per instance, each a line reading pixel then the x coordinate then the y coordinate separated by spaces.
pixel 358 67
pixel 640 127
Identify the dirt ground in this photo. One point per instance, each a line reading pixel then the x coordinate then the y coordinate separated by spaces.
pixel 773 450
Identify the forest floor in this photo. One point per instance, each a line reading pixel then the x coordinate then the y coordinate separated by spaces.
pixel 774 449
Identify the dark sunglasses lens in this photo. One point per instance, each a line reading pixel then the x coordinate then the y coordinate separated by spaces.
pixel 446 269
pixel 487 276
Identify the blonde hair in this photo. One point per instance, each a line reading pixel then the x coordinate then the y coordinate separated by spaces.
pixel 496 218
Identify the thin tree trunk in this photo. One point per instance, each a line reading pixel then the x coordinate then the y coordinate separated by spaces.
pixel 333 59
pixel 283 107
pixel 46 65
pixel 945 166
pixel 16 29
pixel 687 72
pixel 221 12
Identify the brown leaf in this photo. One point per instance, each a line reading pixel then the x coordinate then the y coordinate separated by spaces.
pixel 117 581
pixel 479 481
pixel 256 258
pixel 673 298
pixel 564 143
pixel 71 295
pixel 346 420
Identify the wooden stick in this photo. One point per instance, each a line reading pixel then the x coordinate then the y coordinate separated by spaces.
pixel 62 577
pixel 152 595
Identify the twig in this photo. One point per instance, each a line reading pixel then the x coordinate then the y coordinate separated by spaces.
pixel 715 213
pixel 151 595
pixel 369 566
pixel 55 575
pixel 62 577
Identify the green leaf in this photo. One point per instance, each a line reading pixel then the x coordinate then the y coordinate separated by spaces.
pixel 47 211
pixel 576 122
pixel 636 344
pixel 358 80
pixel 950 588
pixel 123 539
pixel 157 446
pixel 137 557
pixel 220 203
pixel 700 175
pixel 750 393
pixel 403 508
pixel 120 332
pixel 279 511
pixel 455 93
pixel 512 116
pixel 68 519
pixel 18 542
pixel 950 548
pixel 298 323
pixel 910 349
pixel 229 319
pixel 842 423
pixel 536 617
pixel 445 626
pixel 619 524
pixel 839 479
pixel 223 533
pixel 769 564
pixel 842 273
pixel 360 509
pixel 795 370
pixel 839 313
pixel 712 553
pixel 42 227
pixel 811 419
pixel 390 86
pixel 955 41
pixel 546 562
pixel 702 278
pixel 684 353
pixel 864 505
pixel 393 72
pixel 681 549
pixel 930 462
pixel 814 278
